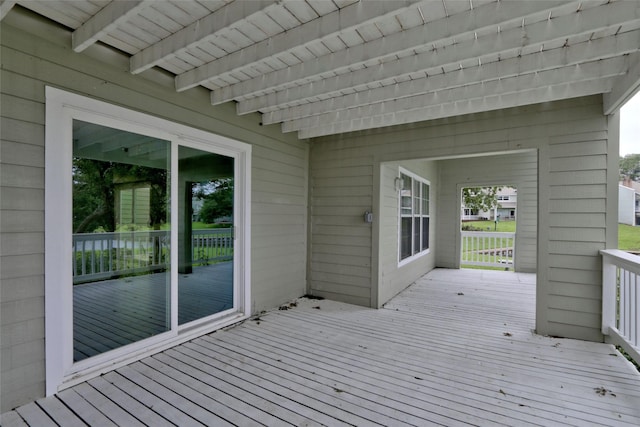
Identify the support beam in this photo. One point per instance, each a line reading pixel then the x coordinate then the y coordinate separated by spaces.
pixel 200 31
pixel 508 43
pixel 462 26
pixel 331 24
pixel 468 106
pixel 112 15
pixel 501 86
pixel 625 87
pixel 536 62
pixel 5 7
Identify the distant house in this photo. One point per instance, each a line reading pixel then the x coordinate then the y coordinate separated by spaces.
pixel 506 210
pixel 629 202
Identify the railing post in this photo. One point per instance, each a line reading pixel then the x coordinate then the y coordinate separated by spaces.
pixel 609 283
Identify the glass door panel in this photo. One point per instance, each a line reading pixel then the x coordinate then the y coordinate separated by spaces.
pixel 205 234
pixel 121 238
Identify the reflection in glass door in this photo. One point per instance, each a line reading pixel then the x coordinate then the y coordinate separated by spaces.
pixel 122 247
pixel 205 234
pixel 121 238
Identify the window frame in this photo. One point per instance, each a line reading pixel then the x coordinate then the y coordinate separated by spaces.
pixel 62 108
pixel 420 215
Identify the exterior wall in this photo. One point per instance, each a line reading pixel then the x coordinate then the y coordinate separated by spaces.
pixel 39 54
pixel 519 170
pixel 577 199
pixel 341 191
pixel 626 205
pixel 393 279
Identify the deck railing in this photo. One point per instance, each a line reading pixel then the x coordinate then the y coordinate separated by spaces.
pixel 621 300
pixel 491 249
pixel 98 256
pixel 214 244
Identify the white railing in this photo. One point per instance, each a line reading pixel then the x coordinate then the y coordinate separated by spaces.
pixel 621 300
pixel 98 256
pixel 214 244
pixel 491 249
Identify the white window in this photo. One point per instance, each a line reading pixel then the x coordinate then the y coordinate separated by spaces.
pixel 128 272
pixel 414 216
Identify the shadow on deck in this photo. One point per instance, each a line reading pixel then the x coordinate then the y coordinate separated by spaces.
pixel 455 348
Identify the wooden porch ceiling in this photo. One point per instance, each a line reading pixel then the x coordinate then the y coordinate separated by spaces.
pixel 321 67
pixel 456 348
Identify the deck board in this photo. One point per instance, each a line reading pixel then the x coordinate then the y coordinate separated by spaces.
pixel 60 413
pixel 456 348
pixel 107 407
pixel 84 409
pixel 111 313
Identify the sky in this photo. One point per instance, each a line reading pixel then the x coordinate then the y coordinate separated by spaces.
pixel 630 127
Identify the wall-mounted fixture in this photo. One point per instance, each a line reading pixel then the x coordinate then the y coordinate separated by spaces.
pixel 368 217
pixel 397 184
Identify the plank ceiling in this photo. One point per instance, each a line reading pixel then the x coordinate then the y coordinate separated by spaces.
pixel 322 67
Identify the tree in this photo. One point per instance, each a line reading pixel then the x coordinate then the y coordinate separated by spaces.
pixel 480 198
pixel 92 196
pixel 630 167
pixel 219 202
pixel 94 192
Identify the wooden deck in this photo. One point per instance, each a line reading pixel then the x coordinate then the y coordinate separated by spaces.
pixel 112 313
pixel 456 348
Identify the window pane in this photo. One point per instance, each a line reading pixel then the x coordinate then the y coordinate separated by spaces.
pixel 405 238
pixel 425 233
pixel 121 239
pixel 416 197
pixel 425 199
pixel 405 195
pixel 406 182
pixel 416 235
pixel 205 234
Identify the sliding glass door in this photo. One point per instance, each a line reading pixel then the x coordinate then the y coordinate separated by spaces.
pixel 122 236
pixel 205 234
pixel 147 235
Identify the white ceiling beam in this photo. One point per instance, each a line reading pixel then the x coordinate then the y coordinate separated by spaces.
pixel 625 87
pixel 467 106
pixel 200 31
pixel 509 41
pixel 5 7
pixel 437 32
pixel 588 71
pixel 540 61
pixel 356 14
pixel 108 18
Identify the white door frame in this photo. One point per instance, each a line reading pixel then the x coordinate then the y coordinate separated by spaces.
pixel 61 109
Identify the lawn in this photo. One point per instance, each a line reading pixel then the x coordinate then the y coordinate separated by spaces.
pixel 502 226
pixel 628 237
pixel 203 225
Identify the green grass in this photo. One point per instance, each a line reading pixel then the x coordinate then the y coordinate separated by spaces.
pixel 503 226
pixel 203 225
pixel 628 237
